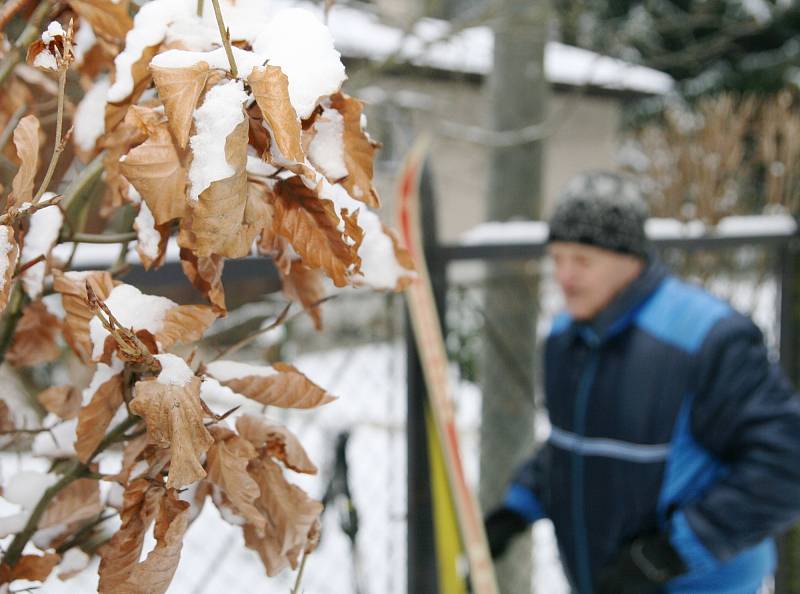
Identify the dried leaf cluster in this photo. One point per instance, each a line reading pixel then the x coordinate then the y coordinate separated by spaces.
pixel 271 161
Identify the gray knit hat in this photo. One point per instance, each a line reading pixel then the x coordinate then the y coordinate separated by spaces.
pixel 603 209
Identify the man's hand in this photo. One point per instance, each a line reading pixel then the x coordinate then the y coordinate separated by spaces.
pixel 642 566
pixel 501 526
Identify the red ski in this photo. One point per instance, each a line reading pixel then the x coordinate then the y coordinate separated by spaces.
pixel 433 357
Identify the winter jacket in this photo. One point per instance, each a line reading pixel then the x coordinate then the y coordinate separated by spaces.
pixel 667 415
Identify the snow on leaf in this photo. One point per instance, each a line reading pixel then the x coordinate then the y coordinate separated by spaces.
pixel 312 227
pixel 271 90
pixel 120 554
pixel 184 323
pixel 281 443
pixel 359 151
pixel 217 120
pixel 219 212
pixel 34 340
pixel 179 90
pixel 154 169
pixel 26 140
pixel 154 574
pixel 286 387
pixel 174 418
pixel 134 310
pixel 108 18
pixel 29 567
pixel 151 241
pixel 78 314
pixel 205 274
pixel 8 261
pixel 42 235
pixel 305 285
pixel 62 401
pixel 139 77
pixel 227 468
pixel 302 46
pixel 291 512
pixel 102 399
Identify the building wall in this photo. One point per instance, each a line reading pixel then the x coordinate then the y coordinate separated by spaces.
pixel 585 137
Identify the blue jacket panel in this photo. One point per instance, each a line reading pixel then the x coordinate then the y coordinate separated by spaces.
pixel 666 414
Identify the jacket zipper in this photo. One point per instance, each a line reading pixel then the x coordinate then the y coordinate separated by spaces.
pixel 578 495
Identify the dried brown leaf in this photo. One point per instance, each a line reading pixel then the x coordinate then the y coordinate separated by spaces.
pixel 280 443
pixel 62 401
pixel 78 501
pixel 95 417
pixel 35 337
pixel 26 140
pixel 120 555
pixel 255 218
pixel 179 90
pixel 291 513
pixel 359 151
pixel 311 226
pixel 218 214
pixel 184 323
pixel 155 573
pixel 271 89
pixel 78 314
pixel 9 251
pixel 6 418
pixel 154 169
pixel 227 468
pixel 29 567
pixel 205 274
pixel 305 285
pixel 108 19
pixel 174 418
pixel 288 388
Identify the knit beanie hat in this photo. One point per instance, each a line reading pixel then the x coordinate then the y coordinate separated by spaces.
pixel 602 209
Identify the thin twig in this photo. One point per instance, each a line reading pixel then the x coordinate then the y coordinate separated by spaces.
pixel 299 581
pixel 100 237
pixel 60 143
pixel 15 212
pixel 84 530
pixel 131 348
pixel 282 317
pixel 252 336
pixel 200 8
pixel 30 264
pixel 226 38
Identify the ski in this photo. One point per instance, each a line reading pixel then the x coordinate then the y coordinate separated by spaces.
pixel 433 357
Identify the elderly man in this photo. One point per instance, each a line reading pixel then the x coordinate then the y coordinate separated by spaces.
pixel 674 454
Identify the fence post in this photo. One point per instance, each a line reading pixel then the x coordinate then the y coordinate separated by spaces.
pixel 787 579
pixel 422 570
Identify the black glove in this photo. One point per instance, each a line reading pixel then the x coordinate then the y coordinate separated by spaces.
pixel 642 566
pixel 501 526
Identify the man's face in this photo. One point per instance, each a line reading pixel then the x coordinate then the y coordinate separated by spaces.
pixel 590 277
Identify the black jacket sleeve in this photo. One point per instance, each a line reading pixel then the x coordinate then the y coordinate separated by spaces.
pixel 747 414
